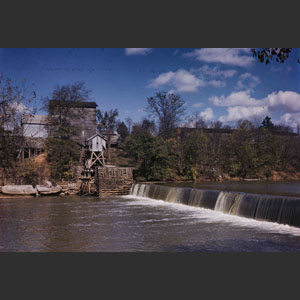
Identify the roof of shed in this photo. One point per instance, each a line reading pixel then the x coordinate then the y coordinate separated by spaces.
pixel 97 134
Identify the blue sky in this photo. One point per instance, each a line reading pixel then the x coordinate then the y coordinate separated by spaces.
pixel 223 84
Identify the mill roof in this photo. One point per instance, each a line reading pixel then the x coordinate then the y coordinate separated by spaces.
pixel 35 119
pixel 77 104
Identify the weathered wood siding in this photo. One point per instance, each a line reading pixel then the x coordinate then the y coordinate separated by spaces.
pixel 81 115
pixel 84 119
pixel 113 181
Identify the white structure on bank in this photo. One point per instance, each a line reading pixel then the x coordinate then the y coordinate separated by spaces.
pixel 94 149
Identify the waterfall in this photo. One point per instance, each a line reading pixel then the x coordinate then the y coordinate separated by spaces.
pixel 282 210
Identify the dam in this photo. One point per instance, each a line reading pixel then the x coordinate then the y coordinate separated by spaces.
pixel 278 209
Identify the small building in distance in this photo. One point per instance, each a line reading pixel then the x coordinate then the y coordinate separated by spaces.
pixel 228 131
pixel 111 136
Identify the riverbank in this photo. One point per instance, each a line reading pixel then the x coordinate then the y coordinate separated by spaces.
pixel 275 176
pixel 46 189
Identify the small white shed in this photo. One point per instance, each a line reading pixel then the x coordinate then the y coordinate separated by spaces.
pixel 96 143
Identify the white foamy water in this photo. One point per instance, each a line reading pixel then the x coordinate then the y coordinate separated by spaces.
pixel 202 215
pixel 134 224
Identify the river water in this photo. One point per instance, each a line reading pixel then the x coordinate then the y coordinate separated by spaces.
pixel 132 224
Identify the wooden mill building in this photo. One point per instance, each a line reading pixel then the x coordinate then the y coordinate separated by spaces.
pixel 81 117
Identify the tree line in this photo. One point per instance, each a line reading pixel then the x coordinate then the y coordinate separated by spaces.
pixel 162 150
pixel 161 146
pixel 204 153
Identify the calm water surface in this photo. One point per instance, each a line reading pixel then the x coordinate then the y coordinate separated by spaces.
pixel 132 224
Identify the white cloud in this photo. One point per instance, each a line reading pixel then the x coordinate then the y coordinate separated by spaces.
pixel 217 83
pixel 283 69
pixel 207 114
pixel 247 81
pixel 290 119
pixel 241 98
pixel 236 113
pixel 214 72
pixel 242 106
pixel 287 101
pixel 162 79
pixel 137 51
pixel 181 80
pixel 184 81
pixel 240 57
pixel 200 104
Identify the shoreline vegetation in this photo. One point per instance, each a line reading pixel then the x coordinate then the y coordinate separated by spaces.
pixel 71 188
pixel 276 177
pixel 166 146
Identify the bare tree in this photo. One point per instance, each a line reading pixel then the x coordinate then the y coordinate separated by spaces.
pixel 168 110
pixel 14 102
pixel 216 125
pixel 107 121
pixel 129 123
pixel 195 121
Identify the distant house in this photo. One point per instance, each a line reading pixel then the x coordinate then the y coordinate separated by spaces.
pixel 111 136
pixel 223 133
pixel 226 131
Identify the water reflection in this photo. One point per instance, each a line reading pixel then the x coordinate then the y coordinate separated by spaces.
pixel 131 224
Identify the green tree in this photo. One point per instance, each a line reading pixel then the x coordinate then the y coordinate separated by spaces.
pixel 268 152
pixel 151 154
pixel 176 157
pixel 122 131
pixel 242 153
pixel 63 153
pixel 267 123
pixel 196 158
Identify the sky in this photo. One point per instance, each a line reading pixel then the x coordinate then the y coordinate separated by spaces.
pixel 218 84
